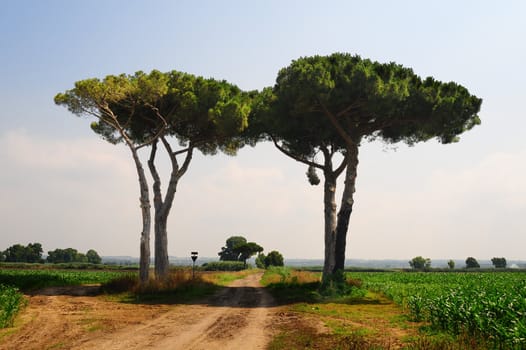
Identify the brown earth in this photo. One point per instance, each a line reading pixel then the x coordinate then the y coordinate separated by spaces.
pixel 239 316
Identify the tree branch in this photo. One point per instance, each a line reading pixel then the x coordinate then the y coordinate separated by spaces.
pixel 159 133
pixel 156 178
pixel 342 165
pixel 295 157
pixel 352 106
pixel 173 157
pixel 337 125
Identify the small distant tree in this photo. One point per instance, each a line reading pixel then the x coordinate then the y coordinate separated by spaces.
pixel 227 253
pixel 499 263
pixel 451 264
pixel 420 263
pixel 247 250
pixel 260 261
pixel 472 263
pixel 274 258
pixel 93 257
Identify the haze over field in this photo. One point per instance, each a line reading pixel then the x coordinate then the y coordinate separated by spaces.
pixel 62 186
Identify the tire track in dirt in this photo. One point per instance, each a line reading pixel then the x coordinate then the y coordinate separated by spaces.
pixel 236 318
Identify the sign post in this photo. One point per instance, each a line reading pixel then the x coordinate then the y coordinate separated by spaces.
pixel 194 258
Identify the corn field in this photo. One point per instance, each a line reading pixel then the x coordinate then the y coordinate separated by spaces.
pixel 10 302
pixel 490 306
pixel 34 279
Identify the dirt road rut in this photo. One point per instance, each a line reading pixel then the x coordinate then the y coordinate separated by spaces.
pixel 236 318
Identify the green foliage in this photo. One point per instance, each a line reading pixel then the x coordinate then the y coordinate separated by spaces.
pixel 291 285
pixel 35 279
pixel 238 249
pixel 451 264
pixel 93 257
pixel 68 255
pixel 260 261
pixel 11 301
pixel 32 253
pixel 491 306
pixel 205 113
pixel 312 176
pixel 274 258
pixel 224 266
pixel 227 253
pixel 370 99
pixel 420 263
pixel 472 263
pixel 246 250
pixel 499 263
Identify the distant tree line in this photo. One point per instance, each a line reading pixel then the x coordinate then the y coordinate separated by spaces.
pixel 420 263
pixel 32 253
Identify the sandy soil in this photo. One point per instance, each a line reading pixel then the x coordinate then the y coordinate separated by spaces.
pixel 238 317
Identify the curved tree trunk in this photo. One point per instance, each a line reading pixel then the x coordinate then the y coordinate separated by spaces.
pixel 144 260
pixel 344 214
pixel 329 204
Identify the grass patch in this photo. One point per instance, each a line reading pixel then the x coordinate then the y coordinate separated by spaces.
pixel 289 286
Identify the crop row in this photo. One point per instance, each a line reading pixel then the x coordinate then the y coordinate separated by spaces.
pixel 34 279
pixel 10 302
pixel 487 305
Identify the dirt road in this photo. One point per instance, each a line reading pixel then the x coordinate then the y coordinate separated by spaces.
pixel 239 317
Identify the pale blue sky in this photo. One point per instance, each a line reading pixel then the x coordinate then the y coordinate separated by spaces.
pixel 62 186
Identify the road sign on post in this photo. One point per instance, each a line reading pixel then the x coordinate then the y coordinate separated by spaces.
pixel 193 255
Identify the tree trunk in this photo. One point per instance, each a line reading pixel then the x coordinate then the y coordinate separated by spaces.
pixel 346 208
pixel 330 224
pixel 163 207
pixel 161 237
pixel 144 260
pixel 162 262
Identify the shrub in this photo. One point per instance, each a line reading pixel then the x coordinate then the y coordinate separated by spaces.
pixel 274 258
pixel 499 263
pixel 472 263
pixel 451 264
pixel 260 261
pixel 224 266
pixel 420 263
